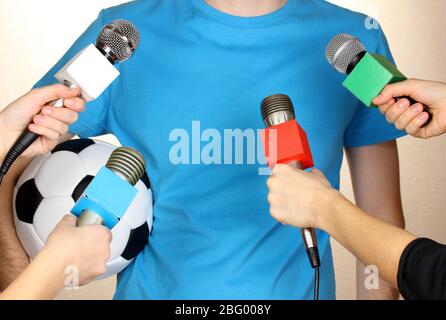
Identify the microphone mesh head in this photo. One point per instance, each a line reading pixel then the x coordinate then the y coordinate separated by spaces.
pixel 121 38
pixel 341 51
pixel 276 103
pixel 128 163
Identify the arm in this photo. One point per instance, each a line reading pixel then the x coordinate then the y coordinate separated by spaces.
pixel 13 259
pixel 306 199
pixel 375 176
pixel 46 275
pixel 84 250
pixel 371 240
pixel 52 126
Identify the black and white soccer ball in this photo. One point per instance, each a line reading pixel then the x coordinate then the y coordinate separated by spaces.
pixel 50 186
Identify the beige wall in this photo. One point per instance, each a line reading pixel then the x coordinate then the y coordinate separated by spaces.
pixel 415 30
pixel 34 34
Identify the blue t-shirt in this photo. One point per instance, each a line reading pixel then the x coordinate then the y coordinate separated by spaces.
pixel 189 100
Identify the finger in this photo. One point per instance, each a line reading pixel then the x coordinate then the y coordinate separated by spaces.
pixel 399 89
pixel 270 182
pixel 53 92
pixel 44 131
pixel 384 107
pixel 270 198
pixel 51 123
pixel 414 127
pixel 65 115
pixel 274 184
pixel 407 116
pixel 393 113
pixel 76 104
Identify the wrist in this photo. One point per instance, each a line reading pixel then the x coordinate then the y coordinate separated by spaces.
pixel 329 206
pixel 56 264
pixel 60 258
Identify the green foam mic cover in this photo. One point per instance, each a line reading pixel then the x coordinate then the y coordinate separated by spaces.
pixel 370 76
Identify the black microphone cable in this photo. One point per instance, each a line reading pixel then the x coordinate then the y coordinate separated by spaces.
pixel 313 256
pixel 24 141
pixel 316 283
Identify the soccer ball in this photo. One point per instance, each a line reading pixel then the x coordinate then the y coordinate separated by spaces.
pixel 50 186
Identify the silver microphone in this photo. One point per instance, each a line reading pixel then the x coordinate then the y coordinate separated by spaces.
pixel 126 163
pixel 117 42
pixel 90 72
pixel 344 51
pixel 275 110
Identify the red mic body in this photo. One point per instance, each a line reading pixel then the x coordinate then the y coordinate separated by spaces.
pixel 285 142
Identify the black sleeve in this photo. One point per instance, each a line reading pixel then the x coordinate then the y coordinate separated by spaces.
pixel 422 271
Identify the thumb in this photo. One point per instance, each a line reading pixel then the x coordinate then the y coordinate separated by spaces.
pixel 68 221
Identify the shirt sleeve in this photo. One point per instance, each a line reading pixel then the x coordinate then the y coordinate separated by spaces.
pixel 368 126
pixel 92 122
pixel 422 271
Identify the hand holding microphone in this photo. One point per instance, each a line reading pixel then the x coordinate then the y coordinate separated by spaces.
pixel 50 125
pixel 91 70
pixel 299 198
pixel 71 257
pixel 368 73
pixel 413 118
pixel 88 249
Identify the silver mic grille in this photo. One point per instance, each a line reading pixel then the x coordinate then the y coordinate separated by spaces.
pixel 277 109
pixel 342 50
pixel 119 39
pixel 127 163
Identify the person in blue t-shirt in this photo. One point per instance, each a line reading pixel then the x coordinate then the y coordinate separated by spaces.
pixel 189 101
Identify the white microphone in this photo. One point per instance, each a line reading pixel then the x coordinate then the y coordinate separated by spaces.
pixel 92 70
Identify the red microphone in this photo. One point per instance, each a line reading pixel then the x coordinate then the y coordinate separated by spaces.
pixel 284 141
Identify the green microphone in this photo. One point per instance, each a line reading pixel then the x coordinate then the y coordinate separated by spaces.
pixel 368 73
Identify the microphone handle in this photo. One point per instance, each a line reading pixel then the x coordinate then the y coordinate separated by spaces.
pixel 425 109
pixel 309 235
pixel 310 240
pixel 88 218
